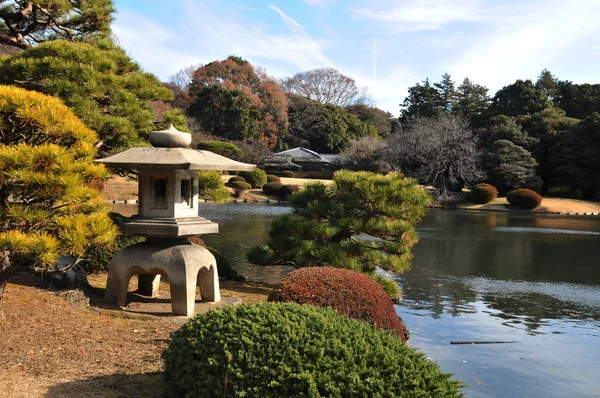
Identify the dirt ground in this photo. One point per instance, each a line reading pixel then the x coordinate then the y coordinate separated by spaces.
pixel 548 204
pixel 53 344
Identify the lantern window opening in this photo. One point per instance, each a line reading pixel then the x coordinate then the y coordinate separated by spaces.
pixel 159 194
pixel 187 192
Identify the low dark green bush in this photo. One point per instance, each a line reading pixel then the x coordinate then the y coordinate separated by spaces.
pixel 291 350
pixel 257 178
pixel 211 187
pixel 222 148
pixel 288 174
pixel 271 188
pixel 483 193
pixel 239 187
pixel 287 190
pixel 348 292
pixel 235 178
pixel 524 197
pixel 272 178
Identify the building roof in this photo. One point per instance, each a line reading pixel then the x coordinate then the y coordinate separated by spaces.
pixel 304 155
pixel 173 158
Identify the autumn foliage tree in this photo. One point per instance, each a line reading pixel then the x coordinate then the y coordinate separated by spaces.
pixel 234 100
pixel 50 202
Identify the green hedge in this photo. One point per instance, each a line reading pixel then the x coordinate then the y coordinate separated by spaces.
pixel 287 190
pixel 257 178
pixel 222 148
pixel 291 350
pixel 271 188
pixel 288 174
pixel 272 178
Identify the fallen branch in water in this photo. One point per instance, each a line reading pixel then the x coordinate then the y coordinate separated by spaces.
pixel 482 342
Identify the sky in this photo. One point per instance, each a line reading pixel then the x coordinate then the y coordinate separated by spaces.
pixel 385 45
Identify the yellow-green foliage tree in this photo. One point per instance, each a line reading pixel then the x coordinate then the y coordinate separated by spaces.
pixel 100 83
pixel 50 202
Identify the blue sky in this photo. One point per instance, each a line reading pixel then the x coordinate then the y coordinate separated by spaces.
pixel 386 45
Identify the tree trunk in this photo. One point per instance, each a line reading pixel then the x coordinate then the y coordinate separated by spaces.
pixel 6 271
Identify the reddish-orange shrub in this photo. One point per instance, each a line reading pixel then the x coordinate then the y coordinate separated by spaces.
pixel 524 197
pixel 483 193
pixel 348 292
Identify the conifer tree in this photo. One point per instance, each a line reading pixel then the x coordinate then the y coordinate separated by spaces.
pixel 50 203
pixel 100 83
pixel 329 224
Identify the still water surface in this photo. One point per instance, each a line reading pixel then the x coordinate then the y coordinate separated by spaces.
pixel 530 280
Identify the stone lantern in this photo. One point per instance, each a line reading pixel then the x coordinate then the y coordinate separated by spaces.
pixel 167 215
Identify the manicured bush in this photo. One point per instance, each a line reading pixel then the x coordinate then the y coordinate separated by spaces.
pixel 211 187
pixel 288 174
pixel 524 197
pixel 483 193
pixel 272 178
pixel 257 178
pixel 222 148
pixel 239 187
pixel 287 190
pixel 348 292
pixel 292 350
pixel 271 188
pixel 236 178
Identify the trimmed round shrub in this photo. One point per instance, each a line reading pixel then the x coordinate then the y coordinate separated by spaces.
pixel 524 197
pixel 211 187
pixel 221 148
pixel 236 178
pixel 287 190
pixel 348 292
pixel 271 188
pixel 483 193
pixel 257 178
pixel 240 185
pixel 292 350
pixel 288 174
pixel 272 178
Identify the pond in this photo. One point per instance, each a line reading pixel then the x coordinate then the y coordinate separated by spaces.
pixel 532 281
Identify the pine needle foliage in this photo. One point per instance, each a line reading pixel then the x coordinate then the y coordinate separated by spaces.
pixel 291 350
pixel 363 221
pixel 50 202
pixel 99 82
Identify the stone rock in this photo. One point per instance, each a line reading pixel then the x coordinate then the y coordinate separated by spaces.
pixel 170 138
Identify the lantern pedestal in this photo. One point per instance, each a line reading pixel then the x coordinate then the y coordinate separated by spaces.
pixel 185 264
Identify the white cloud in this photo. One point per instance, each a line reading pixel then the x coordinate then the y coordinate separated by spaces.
pixel 423 15
pixel 525 43
pixel 210 33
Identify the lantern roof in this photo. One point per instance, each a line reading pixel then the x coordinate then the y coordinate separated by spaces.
pixel 173 158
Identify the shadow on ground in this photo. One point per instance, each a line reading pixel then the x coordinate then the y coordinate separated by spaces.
pixel 111 386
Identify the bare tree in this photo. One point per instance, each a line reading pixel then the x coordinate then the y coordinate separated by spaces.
pixel 180 83
pixel 365 153
pixel 441 152
pixel 328 86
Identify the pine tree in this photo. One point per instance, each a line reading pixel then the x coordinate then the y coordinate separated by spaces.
pixel 447 93
pixel 50 203
pixel 100 83
pixel 472 101
pixel 326 223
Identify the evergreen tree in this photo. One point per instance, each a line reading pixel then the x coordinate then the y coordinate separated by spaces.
pixel 381 120
pixel 323 127
pixel 326 221
pixel 423 100
pixel 579 101
pixel 547 83
pixel 508 166
pixel 50 203
pixel 472 101
pixel 519 98
pixel 100 83
pixel 447 93
pixel 26 23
